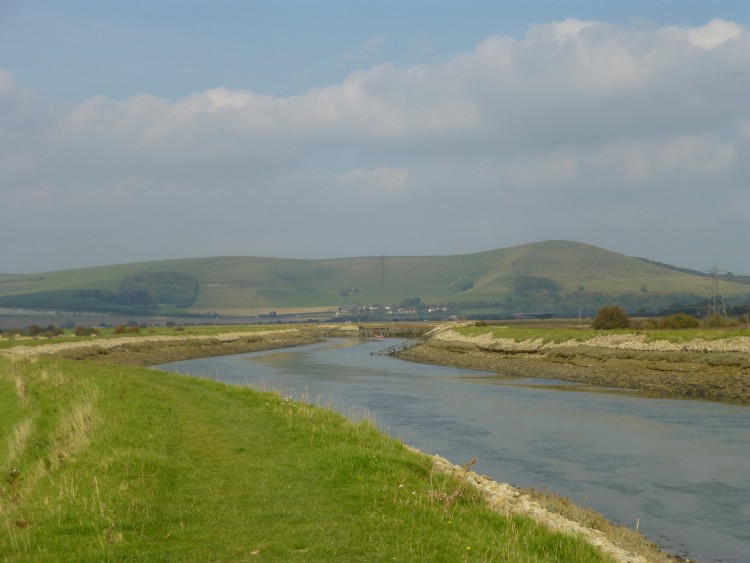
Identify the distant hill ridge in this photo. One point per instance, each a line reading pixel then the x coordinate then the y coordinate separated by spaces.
pixel 728 276
pixel 556 277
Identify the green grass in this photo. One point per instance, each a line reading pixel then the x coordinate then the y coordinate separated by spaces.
pixel 107 333
pixel 520 333
pixel 104 462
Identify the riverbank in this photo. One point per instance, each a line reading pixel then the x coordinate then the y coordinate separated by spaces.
pixel 620 543
pixel 698 369
pixel 156 466
pixel 161 349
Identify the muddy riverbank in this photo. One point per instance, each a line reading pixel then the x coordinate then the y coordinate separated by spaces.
pixel 693 371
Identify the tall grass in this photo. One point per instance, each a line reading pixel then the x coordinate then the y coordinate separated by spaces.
pixel 108 462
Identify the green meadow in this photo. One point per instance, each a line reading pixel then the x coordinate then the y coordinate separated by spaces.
pixel 101 462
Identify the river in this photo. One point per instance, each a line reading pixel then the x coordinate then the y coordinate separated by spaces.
pixel 678 469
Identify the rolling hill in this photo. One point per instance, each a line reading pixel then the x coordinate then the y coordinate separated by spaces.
pixel 550 276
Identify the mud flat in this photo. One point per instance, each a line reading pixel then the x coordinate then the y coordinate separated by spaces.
pixel 715 370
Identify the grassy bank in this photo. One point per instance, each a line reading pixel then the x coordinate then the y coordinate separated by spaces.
pixel 110 333
pixel 112 462
pixel 521 333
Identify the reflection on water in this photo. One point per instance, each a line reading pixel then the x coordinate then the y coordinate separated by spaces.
pixel 678 467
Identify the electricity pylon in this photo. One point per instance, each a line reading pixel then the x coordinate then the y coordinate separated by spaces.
pixel 718 307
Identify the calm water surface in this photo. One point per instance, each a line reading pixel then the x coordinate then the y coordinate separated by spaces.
pixel 680 469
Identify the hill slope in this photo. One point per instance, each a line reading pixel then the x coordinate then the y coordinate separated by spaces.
pixel 546 275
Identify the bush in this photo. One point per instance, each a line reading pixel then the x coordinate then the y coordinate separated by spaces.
pixel 85 331
pixel 717 321
pixel 645 324
pixel 611 317
pixel 680 320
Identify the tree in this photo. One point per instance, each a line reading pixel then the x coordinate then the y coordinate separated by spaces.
pixel 154 287
pixel 611 317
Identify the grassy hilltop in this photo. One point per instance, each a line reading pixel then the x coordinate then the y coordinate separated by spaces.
pixel 547 276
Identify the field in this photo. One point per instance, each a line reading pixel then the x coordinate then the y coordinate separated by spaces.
pixel 109 462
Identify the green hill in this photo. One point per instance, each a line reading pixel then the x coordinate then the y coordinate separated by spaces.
pixel 551 276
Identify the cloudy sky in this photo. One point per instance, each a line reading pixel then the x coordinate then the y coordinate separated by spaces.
pixel 146 130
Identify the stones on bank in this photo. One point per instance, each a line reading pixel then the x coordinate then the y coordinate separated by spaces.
pixel 636 342
pixel 505 499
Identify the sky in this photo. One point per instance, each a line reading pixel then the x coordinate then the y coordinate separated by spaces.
pixel 150 130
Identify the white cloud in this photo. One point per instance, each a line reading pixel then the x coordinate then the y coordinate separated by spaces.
pixel 634 164
pixel 714 34
pixel 585 76
pixel 575 108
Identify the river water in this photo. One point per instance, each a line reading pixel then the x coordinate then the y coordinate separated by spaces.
pixel 677 469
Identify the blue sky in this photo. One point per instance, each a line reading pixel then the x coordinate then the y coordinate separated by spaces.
pixel 138 130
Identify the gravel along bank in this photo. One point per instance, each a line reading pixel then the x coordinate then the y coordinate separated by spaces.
pixel 717 370
pixel 622 544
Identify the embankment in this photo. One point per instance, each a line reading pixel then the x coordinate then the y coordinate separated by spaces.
pixel 619 543
pixel 161 349
pixel 699 369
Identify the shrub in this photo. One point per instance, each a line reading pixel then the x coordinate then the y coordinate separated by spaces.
pixel 645 324
pixel 680 320
pixel 85 331
pixel 717 321
pixel 119 329
pixel 611 317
